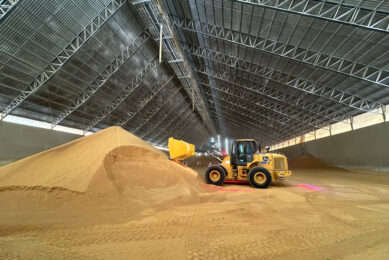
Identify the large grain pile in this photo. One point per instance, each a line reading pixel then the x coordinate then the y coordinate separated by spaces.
pixel 112 196
pixel 112 161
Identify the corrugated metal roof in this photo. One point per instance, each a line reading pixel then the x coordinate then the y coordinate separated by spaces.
pixel 301 69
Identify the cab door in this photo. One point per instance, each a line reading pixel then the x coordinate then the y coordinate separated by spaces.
pixel 233 154
pixel 242 153
pixel 245 153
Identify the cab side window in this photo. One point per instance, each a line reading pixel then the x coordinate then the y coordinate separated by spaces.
pixel 233 153
pixel 250 151
pixel 242 152
pixel 233 149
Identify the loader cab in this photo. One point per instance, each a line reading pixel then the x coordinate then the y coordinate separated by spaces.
pixel 242 152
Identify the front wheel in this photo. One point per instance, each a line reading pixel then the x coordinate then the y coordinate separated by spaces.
pixel 215 175
pixel 259 177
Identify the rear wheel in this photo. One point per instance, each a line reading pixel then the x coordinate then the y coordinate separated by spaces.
pixel 259 177
pixel 215 175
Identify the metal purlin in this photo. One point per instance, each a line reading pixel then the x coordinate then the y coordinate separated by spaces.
pixel 154 110
pixel 334 12
pixel 127 91
pixel 164 130
pixel 307 86
pixel 172 124
pixel 6 6
pixel 354 69
pixel 160 85
pixel 160 120
pixel 104 76
pixel 152 15
pixel 64 56
pixel 276 99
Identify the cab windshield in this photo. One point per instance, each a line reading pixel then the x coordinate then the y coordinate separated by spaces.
pixel 246 150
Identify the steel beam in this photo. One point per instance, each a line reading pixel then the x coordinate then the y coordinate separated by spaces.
pixel 136 2
pixel 295 120
pixel 127 91
pixel 310 57
pixel 147 116
pixel 161 120
pixel 161 84
pixel 251 108
pixel 229 96
pixel 335 95
pixel 330 11
pixel 185 130
pixel 253 117
pixel 238 128
pixel 173 122
pixel 6 6
pixel 175 61
pixel 290 99
pixel 181 122
pixel 69 51
pixel 277 99
pixel 245 109
pixel 153 15
pixel 246 122
pixel 182 129
pixel 278 136
pixel 104 76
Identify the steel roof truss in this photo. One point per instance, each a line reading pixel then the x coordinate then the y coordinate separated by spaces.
pixel 231 97
pixel 103 77
pixel 6 6
pixel 161 120
pixel 332 94
pixel 127 91
pixel 146 100
pixel 177 123
pixel 147 116
pixel 310 57
pixel 252 108
pixel 172 121
pixel 333 12
pixel 65 55
pixel 277 96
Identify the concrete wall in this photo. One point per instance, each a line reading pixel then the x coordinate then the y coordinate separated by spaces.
pixel 19 141
pixel 365 148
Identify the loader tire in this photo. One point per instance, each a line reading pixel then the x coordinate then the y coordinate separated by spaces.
pixel 215 175
pixel 224 169
pixel 259 177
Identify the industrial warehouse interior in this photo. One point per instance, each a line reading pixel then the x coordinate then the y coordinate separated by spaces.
pixel 194 129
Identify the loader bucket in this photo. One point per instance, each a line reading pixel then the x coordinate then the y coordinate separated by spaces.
pixel 180 150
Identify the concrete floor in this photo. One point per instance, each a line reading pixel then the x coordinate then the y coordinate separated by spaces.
pixel 315 214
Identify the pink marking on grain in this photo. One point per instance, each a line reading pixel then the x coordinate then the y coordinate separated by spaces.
pixel 309 187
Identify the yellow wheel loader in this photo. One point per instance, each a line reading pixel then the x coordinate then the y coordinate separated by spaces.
pixel 245 163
